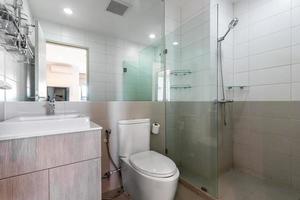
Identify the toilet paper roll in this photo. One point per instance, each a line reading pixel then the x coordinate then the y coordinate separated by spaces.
pixel 155 128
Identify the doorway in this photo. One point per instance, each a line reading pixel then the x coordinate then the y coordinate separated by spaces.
pixel 67 72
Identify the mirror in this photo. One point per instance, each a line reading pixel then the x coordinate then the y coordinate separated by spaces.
pixel 92 50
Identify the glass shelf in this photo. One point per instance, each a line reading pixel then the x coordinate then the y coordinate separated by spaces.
pixel 5 86
pixel 181 87
pixel 237 86
pixel 181 72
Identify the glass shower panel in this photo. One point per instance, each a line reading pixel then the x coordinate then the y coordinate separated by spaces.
pixel 191 112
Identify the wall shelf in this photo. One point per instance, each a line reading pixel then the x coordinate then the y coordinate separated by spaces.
pixel 237 86
pixel 176 87
pixel 180 72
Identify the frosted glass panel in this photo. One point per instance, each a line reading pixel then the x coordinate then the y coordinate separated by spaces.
pixel 142 79
pixel 192 114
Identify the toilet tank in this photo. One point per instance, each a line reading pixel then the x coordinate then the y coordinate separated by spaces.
pixel 134 136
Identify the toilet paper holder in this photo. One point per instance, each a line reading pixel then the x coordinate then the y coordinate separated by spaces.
pixel 155 128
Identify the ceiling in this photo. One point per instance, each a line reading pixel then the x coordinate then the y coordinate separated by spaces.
pixel 142 18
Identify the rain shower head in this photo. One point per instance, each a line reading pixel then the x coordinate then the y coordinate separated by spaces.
pixel 231 25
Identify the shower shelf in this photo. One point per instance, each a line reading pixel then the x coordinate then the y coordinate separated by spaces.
pixel 237 86
pixel 5 86
pixel 181 87
pixel 181 72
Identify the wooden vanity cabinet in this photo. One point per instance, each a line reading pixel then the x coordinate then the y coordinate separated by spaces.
pixel 57 167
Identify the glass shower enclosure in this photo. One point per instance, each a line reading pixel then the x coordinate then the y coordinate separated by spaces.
pixel 191 100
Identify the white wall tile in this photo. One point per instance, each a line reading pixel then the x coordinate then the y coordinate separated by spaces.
pixel 2 92
pixel 241 7
pixel 261 9
pixel 243 21
pixel 295 91
pixel 241 35
pixel 296 73
pixel 192 8
pixel 270 59
pixel 241 65
pixel 2 54
pixel 296 54
pixel 296 16
pixel 242 79
pixel 296 35
pixel 241 50
pixel 271 42
pixel 270 93
pixel 266 26
pixel 270 76
pixel 295 3
pixel 270 25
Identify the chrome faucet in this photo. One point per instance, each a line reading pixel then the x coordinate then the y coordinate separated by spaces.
pixel 51 107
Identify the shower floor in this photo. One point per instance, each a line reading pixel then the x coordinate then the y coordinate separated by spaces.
pixel 235 185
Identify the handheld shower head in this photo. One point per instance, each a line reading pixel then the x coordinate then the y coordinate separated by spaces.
pixel 233 23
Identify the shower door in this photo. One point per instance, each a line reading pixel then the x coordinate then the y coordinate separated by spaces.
pixel 191 94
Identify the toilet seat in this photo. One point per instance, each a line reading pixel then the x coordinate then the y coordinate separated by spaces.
pixel 153 164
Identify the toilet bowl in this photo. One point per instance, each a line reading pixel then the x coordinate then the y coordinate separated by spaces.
pixel 148 181
pixel 146 175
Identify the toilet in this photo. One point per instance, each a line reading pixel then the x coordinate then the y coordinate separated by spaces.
pixel 146 175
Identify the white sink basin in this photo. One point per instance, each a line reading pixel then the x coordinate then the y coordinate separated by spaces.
pixel 44 117
pixel 33 126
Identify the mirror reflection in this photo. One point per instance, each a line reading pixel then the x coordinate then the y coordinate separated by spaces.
pixel 66 72
pixel 93 50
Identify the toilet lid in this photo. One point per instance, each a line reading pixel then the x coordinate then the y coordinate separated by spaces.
pixel 153 164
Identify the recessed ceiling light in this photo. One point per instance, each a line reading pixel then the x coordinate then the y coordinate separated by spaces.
pixel 152 36
pixel 68 11
pixel 175 43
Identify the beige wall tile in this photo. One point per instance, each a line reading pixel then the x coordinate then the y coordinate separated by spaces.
pixel 296 181
pixel 265 139
pixel 183 193
pixel 273 109
pixel 295 110
pixel 295 129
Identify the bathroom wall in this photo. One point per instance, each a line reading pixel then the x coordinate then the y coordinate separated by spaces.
pixel 106 57
pixel 106 114
pixel 266 115
pixel 266 140
pixel 267 49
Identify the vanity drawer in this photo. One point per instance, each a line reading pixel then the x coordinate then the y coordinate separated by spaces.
pixel 79 181
pixel 22 156
pixel 33 186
